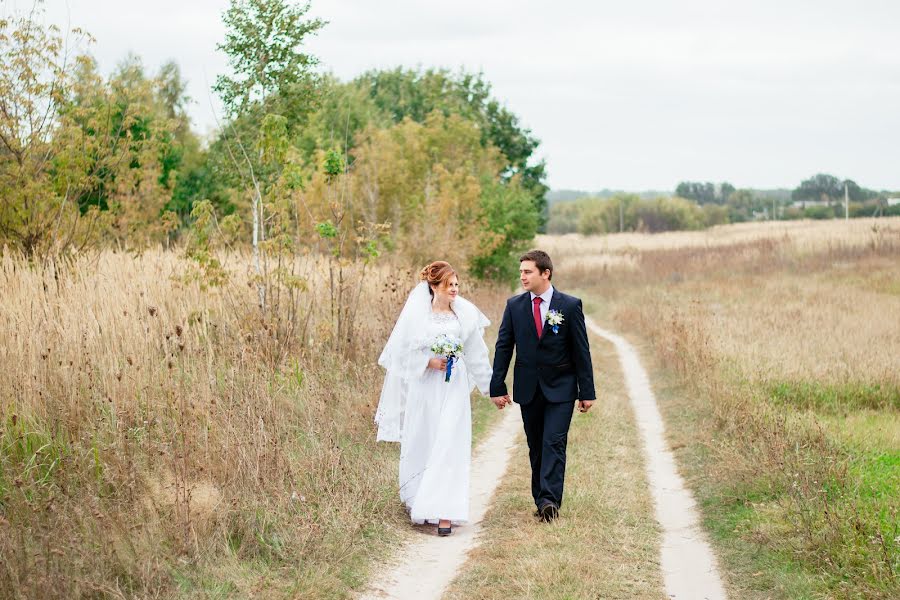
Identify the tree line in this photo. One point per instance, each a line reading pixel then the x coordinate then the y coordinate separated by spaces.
pixel 424 163
pixel 697 205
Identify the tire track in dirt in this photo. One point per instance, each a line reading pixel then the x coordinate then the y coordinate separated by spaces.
pixel 686 559
pixel 427 564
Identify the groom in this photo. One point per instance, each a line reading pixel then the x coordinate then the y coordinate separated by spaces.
pixel 552 370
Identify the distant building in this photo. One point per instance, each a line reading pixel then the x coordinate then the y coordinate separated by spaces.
pixel 893 201
pixel 808 203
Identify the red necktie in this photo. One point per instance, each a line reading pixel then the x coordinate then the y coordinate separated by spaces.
pixel 538 321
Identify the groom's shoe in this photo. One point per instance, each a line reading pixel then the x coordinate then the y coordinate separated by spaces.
pixel 548 512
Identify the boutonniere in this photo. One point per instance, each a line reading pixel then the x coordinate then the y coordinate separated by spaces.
pixel 555 319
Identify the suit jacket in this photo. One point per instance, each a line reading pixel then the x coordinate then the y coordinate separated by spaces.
pixel 560 363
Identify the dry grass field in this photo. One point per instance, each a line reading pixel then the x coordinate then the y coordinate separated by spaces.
pixel 160 440
pixel 776 350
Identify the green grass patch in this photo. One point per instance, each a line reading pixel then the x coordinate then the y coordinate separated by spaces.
pixel 877 476
pixel 835 398
pixel 786 532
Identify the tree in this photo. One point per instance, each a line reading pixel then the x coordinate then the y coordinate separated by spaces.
pixel 668 214
pixel 405 93
pixel 857 193
pixel 425 180
pixel 741 205
pixel 343 111
pixel 76 154
pixel 704 192
pixel 262 41
pixel 564 216
pixel 511 219
pixel 725 190
pixel 272 84
pixel 821 187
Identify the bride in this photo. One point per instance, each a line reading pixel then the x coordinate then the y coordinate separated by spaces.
pixel 429 415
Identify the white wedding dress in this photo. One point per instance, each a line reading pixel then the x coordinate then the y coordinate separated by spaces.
pixel 430 417
pixel 435 450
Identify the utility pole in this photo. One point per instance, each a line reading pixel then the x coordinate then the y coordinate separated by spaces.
pixel 621 216
pixel 846 202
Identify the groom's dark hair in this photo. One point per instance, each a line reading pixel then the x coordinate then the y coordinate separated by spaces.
pixel 540 259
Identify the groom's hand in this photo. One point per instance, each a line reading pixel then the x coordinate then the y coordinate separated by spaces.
pixel 500 401
pixel 585 405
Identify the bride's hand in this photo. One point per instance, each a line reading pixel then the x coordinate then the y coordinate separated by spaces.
pixel 438 364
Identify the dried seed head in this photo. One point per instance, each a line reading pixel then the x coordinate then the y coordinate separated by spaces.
pixel 151 310
pixel 178 330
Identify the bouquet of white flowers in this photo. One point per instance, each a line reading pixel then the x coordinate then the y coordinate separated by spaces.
pixel 449 347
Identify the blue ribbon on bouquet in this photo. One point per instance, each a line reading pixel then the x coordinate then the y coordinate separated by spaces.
pixel 449 369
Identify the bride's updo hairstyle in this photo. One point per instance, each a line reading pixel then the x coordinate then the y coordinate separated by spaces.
pixel 436 273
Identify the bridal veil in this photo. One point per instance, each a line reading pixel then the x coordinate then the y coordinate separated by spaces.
pixel 406 354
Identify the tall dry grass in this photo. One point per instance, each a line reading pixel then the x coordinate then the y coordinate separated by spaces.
pixel 785 342
pixel 150 445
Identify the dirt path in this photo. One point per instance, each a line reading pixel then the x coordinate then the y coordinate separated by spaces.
pixel 428 563
pixel 688 564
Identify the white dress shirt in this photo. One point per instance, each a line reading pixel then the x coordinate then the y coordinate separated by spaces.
pixel 545 304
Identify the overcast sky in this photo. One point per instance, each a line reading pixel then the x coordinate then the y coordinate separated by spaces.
pixel 624 95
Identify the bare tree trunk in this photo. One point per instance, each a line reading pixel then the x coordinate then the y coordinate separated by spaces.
pixel 257 230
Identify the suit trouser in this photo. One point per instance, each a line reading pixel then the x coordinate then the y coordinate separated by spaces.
pixel 547 431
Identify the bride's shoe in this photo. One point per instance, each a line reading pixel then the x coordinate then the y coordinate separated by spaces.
pixel 444 531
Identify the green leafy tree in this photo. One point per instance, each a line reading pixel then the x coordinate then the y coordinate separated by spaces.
pixel 563 217
pixel 262 44
pixel 705 192
pixel 714 214
pixel 828 188
pixel 270 75
pixel 857 193
pixel 821 187
pixel 594 214
pixel 668 214
pixel 414 94
pixel 79 157
pixel 269 92
pixel 186 168
pixel 741 205
pixel 343 112
pixel 819 212
pixel 512 219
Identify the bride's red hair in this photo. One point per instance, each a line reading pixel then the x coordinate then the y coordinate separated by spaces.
pixel 436 273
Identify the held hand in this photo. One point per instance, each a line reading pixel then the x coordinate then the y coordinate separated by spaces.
pixel 438 364
pixel 500 401
pixel 585 405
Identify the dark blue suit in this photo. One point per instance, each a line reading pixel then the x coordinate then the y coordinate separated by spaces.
pixel 550 373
